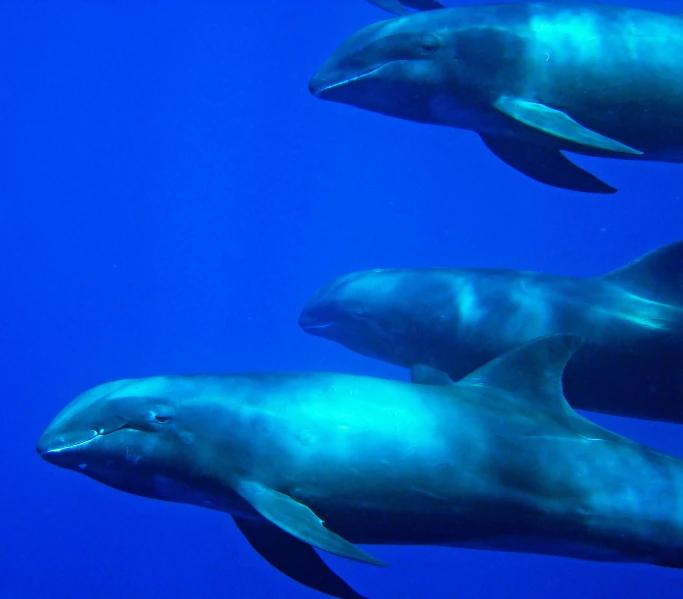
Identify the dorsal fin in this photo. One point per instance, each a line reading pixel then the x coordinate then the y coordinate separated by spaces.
pixel 657 274
pixel 421 374
pixel 530 373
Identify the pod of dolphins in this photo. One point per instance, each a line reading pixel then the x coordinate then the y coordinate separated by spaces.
pixel 483 448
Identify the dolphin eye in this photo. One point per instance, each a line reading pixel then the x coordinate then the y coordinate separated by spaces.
pixel 430 43
pixel 161 419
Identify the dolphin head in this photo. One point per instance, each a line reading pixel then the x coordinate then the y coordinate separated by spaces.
pixel 380 66
pixel 182 438
pixel 442 66
pixel 385 314
pixel 121 433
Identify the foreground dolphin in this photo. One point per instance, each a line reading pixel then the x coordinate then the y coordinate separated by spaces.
pixel 402 7
pixel 530 79
pixel 455 320
pixel 498 461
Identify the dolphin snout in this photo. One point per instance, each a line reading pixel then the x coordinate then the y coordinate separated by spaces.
pixel 311 326
pixel 318 84
pixel 51 444
pixel 307 320
pixel 315 316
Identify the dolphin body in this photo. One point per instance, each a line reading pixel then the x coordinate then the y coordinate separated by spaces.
pixel 455 320
pixel 499 461
pixel 532 80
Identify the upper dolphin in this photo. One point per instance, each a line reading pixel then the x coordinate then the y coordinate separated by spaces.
pixel 454 320
pixel 498 461
pixel 531 79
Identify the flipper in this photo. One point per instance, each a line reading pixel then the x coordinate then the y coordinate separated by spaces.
pixel 557 123
pixel 392 6
pixel 299 521
pixel 421 374
pixel 400 7
pixel 423 4
pixel 294 558
pixel 546 165
pixel 659 272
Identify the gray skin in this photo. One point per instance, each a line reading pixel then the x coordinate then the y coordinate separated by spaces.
pixel 455 320
pixel 530 79
pixel 499 461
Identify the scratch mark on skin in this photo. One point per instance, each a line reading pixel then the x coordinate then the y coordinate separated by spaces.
pixel 591 438
pixel 131 457
pixel 393 413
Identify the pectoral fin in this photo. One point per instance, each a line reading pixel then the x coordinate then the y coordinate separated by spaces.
pixel 399 7
pixel 557 123
pixel 299 521
pixel 294 558
pixel 424 4
pixel 392 6
pixel 546 165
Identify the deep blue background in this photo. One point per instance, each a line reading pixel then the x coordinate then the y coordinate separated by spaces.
pixel 170 195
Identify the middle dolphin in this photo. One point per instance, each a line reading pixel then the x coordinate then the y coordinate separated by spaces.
pixel 531 79
pixel 455 320
pixel 499 461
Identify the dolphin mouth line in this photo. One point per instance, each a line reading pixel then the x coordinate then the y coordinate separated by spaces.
pixel 352 79
pixel 95 434
pixel 308 327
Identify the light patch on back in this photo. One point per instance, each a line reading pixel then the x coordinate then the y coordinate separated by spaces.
pixel 533 315
pixel 362 417
pixel 643 312
pixel 572 24
pixel 469 308
pixel 365 285
pixel 155 386
pixel 572 33
pixel 578 35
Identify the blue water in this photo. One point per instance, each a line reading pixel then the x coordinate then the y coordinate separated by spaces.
pixel 171 195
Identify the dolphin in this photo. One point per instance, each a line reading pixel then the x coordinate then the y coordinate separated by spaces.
pixel 532 80
pixel 402 7
pixel 442 320
pixel 498 461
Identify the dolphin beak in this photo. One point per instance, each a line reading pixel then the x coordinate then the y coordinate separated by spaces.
pixel 306 322
pixel 315 327
pixel 318 84
pixel 50 445
pixel 311 323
